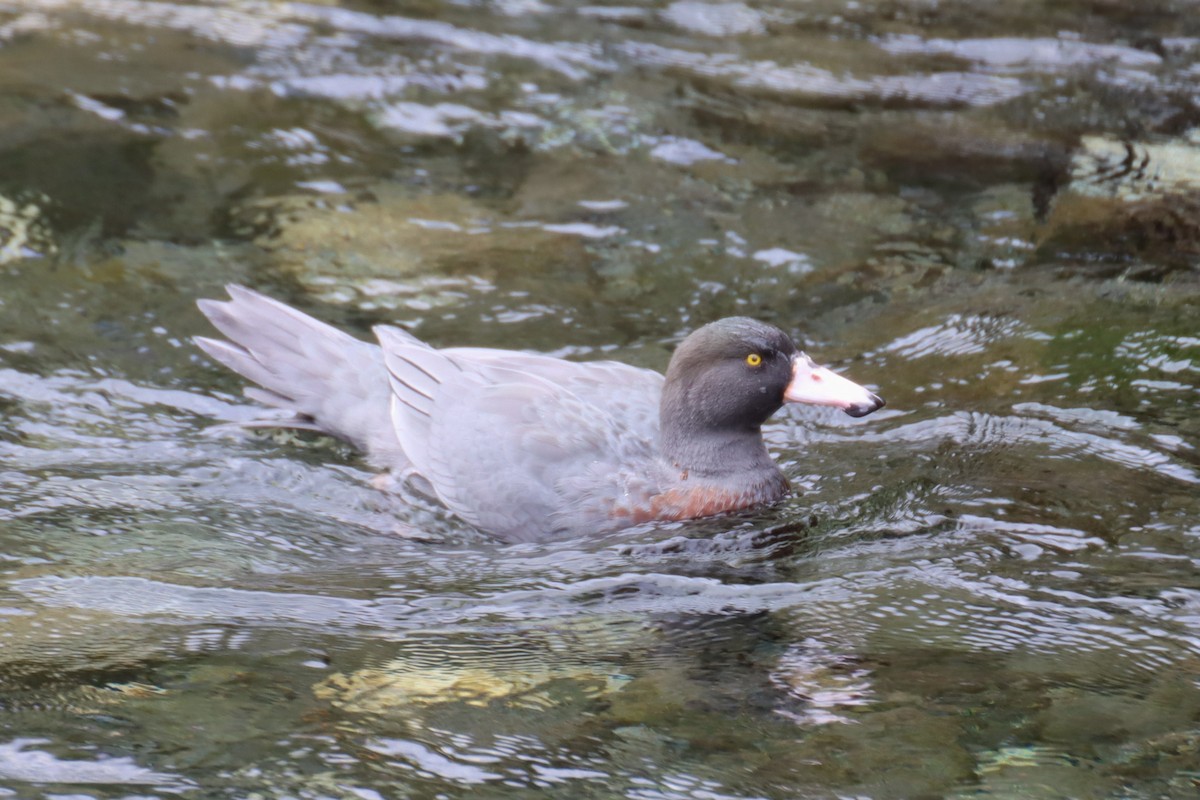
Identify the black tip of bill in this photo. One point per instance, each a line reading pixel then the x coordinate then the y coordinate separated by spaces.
pixel 862 409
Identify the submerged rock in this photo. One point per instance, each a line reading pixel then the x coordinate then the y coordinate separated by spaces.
pixel 24 232
pixel 1130 199
pixel 533 670
pixel 385 248
pixel 400 688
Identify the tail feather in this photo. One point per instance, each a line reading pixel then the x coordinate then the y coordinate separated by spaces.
pixel 252 319
pixel 305 366
pixel 243 362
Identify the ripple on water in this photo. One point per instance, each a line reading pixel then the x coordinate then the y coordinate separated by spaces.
pixel 988 605
pixel 806 81
pixel 825 682
pixel 959 335
pixel 981 432
pixel 987 588
pixel 1163 353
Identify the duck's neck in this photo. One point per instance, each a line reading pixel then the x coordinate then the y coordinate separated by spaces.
pixel 717 454
pixel 708 432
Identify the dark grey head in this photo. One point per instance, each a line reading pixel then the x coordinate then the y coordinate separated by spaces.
pixel 726 379
pixel 731 373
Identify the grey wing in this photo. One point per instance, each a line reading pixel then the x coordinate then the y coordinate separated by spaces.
pixel 499 444
pixel 629 394
pixel 537 441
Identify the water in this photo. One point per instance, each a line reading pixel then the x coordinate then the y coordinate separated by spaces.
pixel 987 589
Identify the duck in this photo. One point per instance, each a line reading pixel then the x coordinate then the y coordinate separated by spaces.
pixel 530 447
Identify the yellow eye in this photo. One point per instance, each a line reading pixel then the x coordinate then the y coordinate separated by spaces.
pixel 754 359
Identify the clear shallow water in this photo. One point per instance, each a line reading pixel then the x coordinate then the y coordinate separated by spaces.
pixel 988 589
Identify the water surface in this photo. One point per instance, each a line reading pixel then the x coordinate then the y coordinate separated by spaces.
pixel 987 212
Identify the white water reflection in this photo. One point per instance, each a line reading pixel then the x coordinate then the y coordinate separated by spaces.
pixel 430 763
pixel 1013 54
pixel 810 81
pixel 246 28
pixel 352 87
pixel 450 119
pixel 573 60
pixel 20 760
pixel 715 19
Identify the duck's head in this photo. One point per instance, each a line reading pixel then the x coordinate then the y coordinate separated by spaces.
pixel 727 378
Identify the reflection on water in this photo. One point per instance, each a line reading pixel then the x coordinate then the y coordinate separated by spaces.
pixel 988 588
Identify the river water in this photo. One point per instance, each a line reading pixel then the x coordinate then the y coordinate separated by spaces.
pixel 989 212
